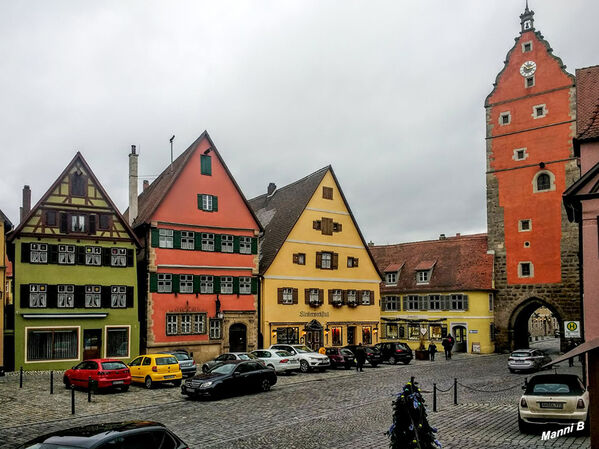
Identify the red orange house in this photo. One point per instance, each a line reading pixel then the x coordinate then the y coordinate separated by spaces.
pixel 200 257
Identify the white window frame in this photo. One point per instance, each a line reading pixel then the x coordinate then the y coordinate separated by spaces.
pixel 207 241
pixel 413 302
pixel 93 296
pixel 551 182
pixel 391 278
pixel 326 260
pixel 172 324
pixel 185 323
pixel 77 223
pixel 118 257
pixel 199 323
pixel 38 295
pixel 524 151
pixel 245 285
pixel 524 46
pixel 366 299
pixel 314 297
pixel 165 283
pixel 456 302
pixel 66 296
pixel 521 223
pixel 423 276
pixel 245 245
pixel 392 303
pixel 38 253
pixel 505 114
pixel 287 296
pixel 187 240
pixel 435 302
pixel 539 106
pixel 66 254
pixel 337 296
pixel 93 255
pixel 531 269
pixel 206 202
pixel 206 284
pixel 226 243
pixel 186 283
pixel 215 329
pixel 226 285
pixel 165 238
pixel 118 296
pixel 352 296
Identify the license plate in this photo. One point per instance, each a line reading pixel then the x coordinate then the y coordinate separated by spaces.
pixel 558 405
pixel 518 361
pixel 118 382
pixel 169 377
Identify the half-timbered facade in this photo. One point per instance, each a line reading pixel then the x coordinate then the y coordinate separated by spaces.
pixel 75 276
pixel 200 261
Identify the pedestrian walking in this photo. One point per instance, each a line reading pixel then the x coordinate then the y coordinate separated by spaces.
pixel 446 347
pixel 570 346
pixel 360 357
pixel 432 348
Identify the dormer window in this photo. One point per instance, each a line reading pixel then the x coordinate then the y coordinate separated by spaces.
pixel 78 184
pixel 391 278
pixel 423 277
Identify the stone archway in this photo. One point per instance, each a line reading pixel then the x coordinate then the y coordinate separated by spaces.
pixel 518 323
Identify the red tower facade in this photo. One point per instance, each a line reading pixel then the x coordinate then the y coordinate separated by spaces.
pixel 531 119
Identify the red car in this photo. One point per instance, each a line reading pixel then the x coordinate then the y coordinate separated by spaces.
pixel 108 373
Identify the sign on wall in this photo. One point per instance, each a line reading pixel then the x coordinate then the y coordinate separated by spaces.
pixel 572 329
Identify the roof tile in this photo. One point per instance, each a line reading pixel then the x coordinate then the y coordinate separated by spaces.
pixel 587 102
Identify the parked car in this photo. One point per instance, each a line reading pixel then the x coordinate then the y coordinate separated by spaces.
pixel 394 352
pixel 527 360
pixel 120 435
pixel 230 377
pixel 553 399
pixel 373 355
pixel 151 369
pixel 340 357
pixel 307 357
pixel 277 359
pixel 227 357
pixel 106 373
pixel 186 362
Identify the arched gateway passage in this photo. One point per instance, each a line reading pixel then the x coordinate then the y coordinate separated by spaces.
pixel 519 321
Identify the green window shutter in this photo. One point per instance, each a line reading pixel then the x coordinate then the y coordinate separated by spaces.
pixel 254 245
pixel 236 285
pixel 235 244
pixel 197 241
pixel 175 283
pixel 155 238
pixel 405 303
pixel 177 239
pixel 153 282
pixel 200 201
pixel 214 203
pixel 206 163
pixel 216 284
pixel 196 284
pixel 254 285
pixel 465 302
pixel 217 244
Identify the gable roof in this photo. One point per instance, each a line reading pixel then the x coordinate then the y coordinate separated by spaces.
pixel 154 194
pixel 7 223
pixel 280 212
pixel 81 160
pixel 572 196
pixel 460 263
pixel 587 102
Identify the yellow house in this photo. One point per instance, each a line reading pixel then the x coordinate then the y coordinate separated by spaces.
pixel 320 285
pixel 434 288
pixel 5 226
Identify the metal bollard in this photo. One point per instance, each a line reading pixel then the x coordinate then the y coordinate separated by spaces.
pixel 21 378
pixel 434 397
pixel 72 400
pixel 51 382
pixel 455 391
pixel 89 389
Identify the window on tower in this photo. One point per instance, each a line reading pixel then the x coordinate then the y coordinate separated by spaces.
pixel 539 110
pixel 530 81
pixel 543 182
pixel 526 47
pixel 520 154
pixel 505 118
pixel 524 225
pixel 525 270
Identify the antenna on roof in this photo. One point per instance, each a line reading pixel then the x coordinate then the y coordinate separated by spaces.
pixel 171 141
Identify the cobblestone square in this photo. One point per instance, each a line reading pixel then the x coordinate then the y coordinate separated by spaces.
pixel 335 409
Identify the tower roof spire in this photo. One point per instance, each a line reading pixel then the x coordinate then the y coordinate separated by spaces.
pixel 526 19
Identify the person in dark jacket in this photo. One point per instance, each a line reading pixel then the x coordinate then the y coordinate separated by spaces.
pixel 447 348
pixel 432 348
pixel 360 357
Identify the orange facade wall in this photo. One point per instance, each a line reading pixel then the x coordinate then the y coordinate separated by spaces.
pixel 547 140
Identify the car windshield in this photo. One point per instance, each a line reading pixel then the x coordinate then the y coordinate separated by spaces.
pixel 226 368
pixel 181 356
pixel 555 387
pixel 284 353
pixel 166 361
pixel 244 356
pixel 300 349
pixel 113 365
pixel 521 354
pixel 346 352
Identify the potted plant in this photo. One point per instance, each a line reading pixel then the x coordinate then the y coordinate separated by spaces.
pixel 421 352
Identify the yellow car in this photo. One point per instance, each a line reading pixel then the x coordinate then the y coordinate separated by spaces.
pixel 152 368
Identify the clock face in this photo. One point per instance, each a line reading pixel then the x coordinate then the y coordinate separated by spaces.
pixel 528 68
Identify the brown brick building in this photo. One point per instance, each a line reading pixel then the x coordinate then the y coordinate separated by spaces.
pixel 531 119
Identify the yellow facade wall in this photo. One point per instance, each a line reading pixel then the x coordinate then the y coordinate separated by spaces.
pixel 477 321
pixel 284 273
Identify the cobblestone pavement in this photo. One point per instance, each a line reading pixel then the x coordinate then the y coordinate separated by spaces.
pixel 335 409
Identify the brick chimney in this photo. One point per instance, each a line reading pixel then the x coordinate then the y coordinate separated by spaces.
pixel 26 202
pixel 133 184
pixel 146 184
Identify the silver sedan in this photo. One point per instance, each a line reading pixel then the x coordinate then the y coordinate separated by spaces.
pixel 527 360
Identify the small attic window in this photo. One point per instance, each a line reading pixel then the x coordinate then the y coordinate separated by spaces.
pixel 526 47
pixel 391 278
pixel 327 193
pixel 423 276
pixel 78 184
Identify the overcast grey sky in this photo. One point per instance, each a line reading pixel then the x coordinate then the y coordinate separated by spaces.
pixel 390 93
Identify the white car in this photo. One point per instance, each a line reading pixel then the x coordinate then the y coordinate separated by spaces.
pixel 308 359
pixel 554 399
pixel 279 360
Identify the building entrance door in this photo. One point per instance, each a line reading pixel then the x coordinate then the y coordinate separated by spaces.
pixel 238 338
pixel 313 337
pixel 92 344
pixel 461 339
pixel 351 335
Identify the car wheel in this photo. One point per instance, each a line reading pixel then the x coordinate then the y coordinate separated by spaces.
pixel 205 368
pixel 67 382
pixel 125 388
pixel 148 382
pixel 392 360
pixel 265 385
pixel 522 426
pixel 407 362
pixel 304 367
pixel 177 383
pixel 270 366
pixel 374 365
pixel 512 370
